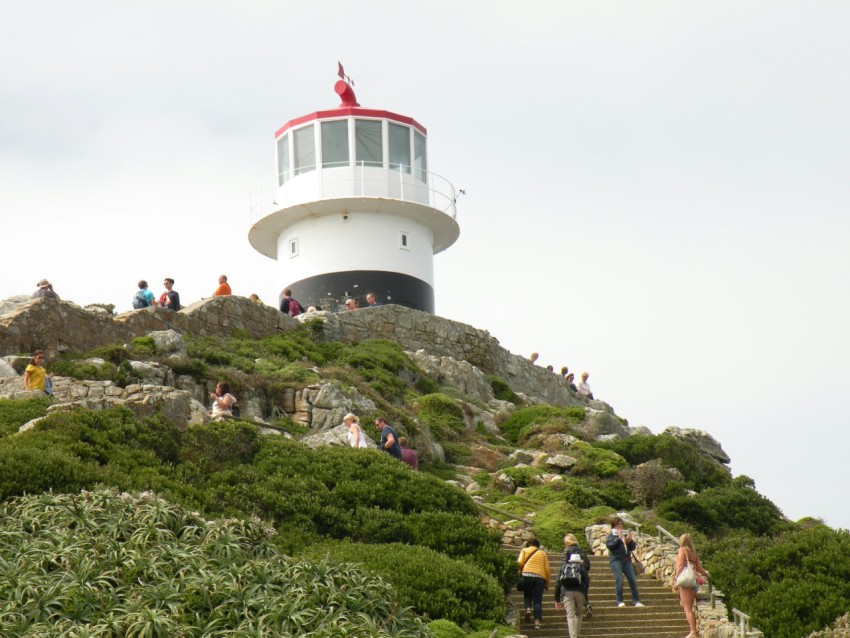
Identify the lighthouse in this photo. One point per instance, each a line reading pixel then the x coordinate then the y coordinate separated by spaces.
pixel 354 207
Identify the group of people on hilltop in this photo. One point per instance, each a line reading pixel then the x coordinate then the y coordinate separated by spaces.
pixel 170 298
pixel 582 388
pixel 395 445
pixel 572 585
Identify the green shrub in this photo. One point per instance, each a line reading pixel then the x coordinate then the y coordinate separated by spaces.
pixel 218 445
pixel 791 584
pixel 501 389
pixel 143 345
pixel 596 461
pixel 82 370
pixel 526 421
pixel 522 476
pixel 15 413
pixel 442 415
pixel 729 507
pixel 427 581
pixel 699 471
pixel 32 470
pixel 118 564
pixel 446 629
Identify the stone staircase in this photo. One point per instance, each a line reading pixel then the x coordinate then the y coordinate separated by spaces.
pixel 661 618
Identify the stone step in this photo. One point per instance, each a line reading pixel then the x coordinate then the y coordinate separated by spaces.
pixel 662 617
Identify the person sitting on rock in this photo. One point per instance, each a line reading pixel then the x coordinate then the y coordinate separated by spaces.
pixel 222 402
pixel 584 388
pixel 571 380
pixel 44 290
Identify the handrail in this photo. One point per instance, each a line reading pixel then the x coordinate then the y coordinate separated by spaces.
pixel 485 506
pixel 662 533
pixel 742 622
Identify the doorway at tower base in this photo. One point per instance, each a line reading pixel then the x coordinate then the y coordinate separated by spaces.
pixel 329 291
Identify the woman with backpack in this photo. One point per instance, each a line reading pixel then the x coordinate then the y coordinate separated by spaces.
pixel 534 567
pixel 687 557
pixel 573 584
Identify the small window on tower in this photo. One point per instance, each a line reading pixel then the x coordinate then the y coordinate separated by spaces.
pixel 293 248
pixel 404 241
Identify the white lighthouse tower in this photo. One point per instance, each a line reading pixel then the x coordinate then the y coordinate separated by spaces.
pixel 354 208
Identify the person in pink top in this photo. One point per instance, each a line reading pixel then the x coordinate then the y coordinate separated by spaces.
pixel 408 455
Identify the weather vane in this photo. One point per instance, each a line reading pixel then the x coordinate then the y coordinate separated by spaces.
pixel 341 74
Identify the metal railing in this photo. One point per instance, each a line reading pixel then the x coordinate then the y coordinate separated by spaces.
pixel 309 183
pixel 742 625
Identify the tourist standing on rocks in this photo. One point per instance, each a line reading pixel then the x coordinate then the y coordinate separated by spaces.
pixel 288 305
pixel 356 435
pixel 44 290
pixel 571 380
pixel 620 547
pixel 255 298
pixel 534 357
pixel 170 298
pixel 408 455
pixel 584 387
pixel 222 401
pixel 571 594
pixel 533 565
pixel 223 289
pixel 389 438
pixel 687 556
pixel 36 377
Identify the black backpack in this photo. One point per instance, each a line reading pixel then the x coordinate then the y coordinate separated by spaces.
pixel 235 411
pixel 571 574
pixel 139 300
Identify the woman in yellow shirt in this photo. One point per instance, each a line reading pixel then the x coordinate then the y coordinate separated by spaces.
pixel 533 564
pixel 36 377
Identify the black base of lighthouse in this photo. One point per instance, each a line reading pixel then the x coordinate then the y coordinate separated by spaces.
pixel 330 290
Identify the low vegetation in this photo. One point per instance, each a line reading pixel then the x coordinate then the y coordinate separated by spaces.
pixel 147 529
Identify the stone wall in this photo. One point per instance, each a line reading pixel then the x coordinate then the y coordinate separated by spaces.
pixel 414 330
pixel 61 326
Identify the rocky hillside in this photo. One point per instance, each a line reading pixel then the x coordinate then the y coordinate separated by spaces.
pixel 501 442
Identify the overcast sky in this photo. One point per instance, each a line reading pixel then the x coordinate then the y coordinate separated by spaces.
pixel 657 192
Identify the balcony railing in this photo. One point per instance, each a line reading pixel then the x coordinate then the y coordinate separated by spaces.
pixel 311 183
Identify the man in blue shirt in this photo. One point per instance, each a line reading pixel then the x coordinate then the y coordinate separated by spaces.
pixel 389 438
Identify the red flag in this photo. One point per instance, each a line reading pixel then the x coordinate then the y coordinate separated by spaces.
pixel 341 72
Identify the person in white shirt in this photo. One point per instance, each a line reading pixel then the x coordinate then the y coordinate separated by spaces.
pixel 583 387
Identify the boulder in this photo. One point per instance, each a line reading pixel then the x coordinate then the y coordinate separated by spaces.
pixel 701 440
pixel 13 303
pixel 333 437
pixel 504 483
pixel 560 462
pixel 600 422
pixel 152 373
pixel 6 369
pixel 168 342
pixel 449 371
